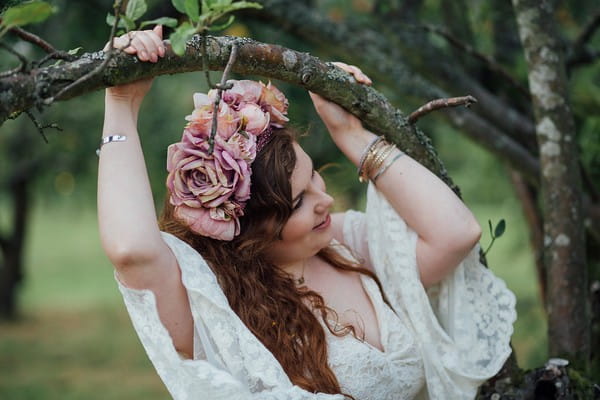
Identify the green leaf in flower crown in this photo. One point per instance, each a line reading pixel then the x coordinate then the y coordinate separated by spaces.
pixel 26 13
pixel 135 9
pixel 166 21
pixel 181 35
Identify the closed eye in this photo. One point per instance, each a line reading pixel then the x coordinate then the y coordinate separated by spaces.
pixel 300 197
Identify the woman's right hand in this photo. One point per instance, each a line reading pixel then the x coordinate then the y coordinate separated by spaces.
pixel 148 46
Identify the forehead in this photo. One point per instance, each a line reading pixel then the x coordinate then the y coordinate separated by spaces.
pixel 302 171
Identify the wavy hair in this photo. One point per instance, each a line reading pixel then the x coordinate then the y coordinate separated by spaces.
pixel 280 314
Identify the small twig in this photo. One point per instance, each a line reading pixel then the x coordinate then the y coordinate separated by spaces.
pixel 441 103
pixel 57 55
pixel 490 63
pixel 31 38
pixel 41 127
pixel 220 87
pixel 20 56
pixel 582 57
pixel 588 31
pixel 99 68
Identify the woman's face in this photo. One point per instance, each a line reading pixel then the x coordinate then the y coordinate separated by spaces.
pixel 308 229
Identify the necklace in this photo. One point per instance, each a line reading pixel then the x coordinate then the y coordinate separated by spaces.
pixel 300 281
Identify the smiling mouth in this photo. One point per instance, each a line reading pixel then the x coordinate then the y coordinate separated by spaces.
pixel 323 224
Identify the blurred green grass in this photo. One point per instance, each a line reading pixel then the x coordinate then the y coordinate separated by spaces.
pixel 75 340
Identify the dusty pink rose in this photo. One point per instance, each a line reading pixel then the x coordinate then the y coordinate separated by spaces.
pixel 210 191
pixel 201 119
pixel 243 91
pixel 254 119
pixel 212 222
pixel 275 102
pixel 199 182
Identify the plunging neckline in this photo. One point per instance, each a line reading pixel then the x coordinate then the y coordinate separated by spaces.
pixel 382 330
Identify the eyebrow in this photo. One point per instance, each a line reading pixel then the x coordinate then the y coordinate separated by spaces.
pixel 302 192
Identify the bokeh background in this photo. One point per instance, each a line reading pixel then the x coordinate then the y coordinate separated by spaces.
pixel 72 338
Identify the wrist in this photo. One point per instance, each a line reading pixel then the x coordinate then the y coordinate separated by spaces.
pixel 353 143
pixel 123 107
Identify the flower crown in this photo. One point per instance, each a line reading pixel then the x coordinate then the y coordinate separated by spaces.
pixel 209 191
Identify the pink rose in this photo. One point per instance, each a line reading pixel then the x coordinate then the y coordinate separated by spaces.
pixel 212 222
pixel 273 101
pixel 243 91
pixel 200 121
pixel 198 181
pixel 254 119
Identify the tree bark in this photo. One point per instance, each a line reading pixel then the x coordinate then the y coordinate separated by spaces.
pixel 11 264
pixel 23 91
pixel 564 239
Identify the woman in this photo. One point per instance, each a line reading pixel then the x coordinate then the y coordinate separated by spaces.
pixel 255 290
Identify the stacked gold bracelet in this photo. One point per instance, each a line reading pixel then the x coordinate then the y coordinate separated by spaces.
pixel 373 161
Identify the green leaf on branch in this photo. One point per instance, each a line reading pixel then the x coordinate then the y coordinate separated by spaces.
pixel 129 23
pixel 179 5
pixel 225 25
pixel 74 51
pixel 500 228
pixel 110 20
pixel 192 10
pixel 26 13
pixel 135 9
pixel 166 21
pixel 181 35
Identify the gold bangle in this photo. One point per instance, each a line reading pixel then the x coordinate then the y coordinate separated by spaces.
pixel 380 159
pixel 367 165
pixel 367 156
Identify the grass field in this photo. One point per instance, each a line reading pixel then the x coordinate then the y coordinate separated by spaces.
pixel 75 341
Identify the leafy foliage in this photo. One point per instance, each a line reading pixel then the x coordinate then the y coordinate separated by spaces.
pixel 30 12
pixel 202 17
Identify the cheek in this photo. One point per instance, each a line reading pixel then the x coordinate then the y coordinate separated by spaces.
pixel 297 227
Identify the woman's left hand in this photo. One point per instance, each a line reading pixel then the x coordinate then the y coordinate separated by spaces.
pixel 335 117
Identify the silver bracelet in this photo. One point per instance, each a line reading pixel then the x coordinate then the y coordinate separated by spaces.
pixel 108 139
pixel 387 165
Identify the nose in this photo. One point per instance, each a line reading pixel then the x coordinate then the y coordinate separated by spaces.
pixel 325 200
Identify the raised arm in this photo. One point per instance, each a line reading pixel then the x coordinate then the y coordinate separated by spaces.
pixel 128 228
pixel 446 228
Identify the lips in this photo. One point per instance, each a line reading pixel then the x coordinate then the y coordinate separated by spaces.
pixel 323 224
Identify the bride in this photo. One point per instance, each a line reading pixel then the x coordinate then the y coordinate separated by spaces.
pixel 249 287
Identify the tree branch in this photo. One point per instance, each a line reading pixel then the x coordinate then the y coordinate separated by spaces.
pixel 433 105
pixel 31 38
pixel 23 91
pixel 489 63
pixel 588 31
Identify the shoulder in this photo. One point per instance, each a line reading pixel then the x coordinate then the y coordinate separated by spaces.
pixel 337 225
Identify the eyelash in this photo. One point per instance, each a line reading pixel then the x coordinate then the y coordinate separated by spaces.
pixel 299 203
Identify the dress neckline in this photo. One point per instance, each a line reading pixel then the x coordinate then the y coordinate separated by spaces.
pixel 376 300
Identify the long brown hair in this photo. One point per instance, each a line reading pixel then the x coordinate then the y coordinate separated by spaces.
pixel 265 297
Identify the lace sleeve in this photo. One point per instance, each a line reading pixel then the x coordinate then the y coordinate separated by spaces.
pixel 355 235
pixel 464 324
pixel 229 362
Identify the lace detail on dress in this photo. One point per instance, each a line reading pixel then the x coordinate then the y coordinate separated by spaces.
pixel 464 329
pixel 237 365
pixel 367 373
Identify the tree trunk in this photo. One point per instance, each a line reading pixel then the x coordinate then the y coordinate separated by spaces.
pixel 564 239
pixel 11 266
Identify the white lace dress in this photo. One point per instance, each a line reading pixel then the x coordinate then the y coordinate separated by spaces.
pixel 440 344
